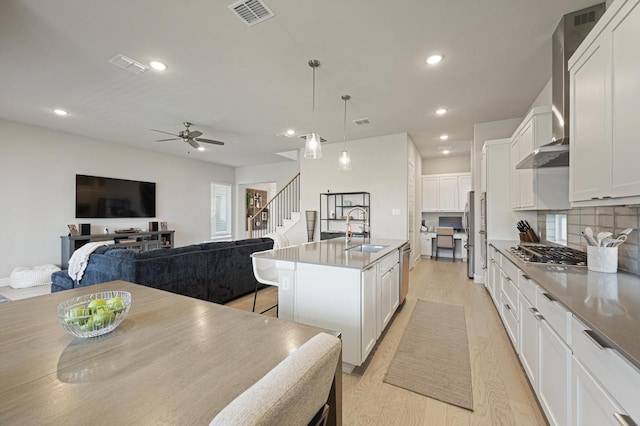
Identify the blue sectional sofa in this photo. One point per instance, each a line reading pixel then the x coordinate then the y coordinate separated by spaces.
pixel 217 272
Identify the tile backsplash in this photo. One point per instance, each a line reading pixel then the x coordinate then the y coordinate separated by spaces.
pixel 612 219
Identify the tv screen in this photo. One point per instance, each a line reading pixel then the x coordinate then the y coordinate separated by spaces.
pixel 453 222
pixel 102 197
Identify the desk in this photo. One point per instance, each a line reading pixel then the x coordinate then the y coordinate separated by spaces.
pixel 173 360
pixel 428 245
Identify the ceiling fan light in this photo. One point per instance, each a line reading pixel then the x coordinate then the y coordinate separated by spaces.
pixel 312 148
pixel 344 162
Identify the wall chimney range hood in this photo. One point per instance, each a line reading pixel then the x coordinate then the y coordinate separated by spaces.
pixel 570 32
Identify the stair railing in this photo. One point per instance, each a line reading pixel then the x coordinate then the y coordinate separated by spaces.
pixel 272 214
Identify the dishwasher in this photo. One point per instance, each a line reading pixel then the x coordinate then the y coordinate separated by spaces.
pixel 405 256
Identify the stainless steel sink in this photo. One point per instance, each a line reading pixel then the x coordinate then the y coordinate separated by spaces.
pixel 368 248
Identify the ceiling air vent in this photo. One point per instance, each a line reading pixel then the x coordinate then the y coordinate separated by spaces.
pixel 361 121
pixel 128 64
pixel 251 11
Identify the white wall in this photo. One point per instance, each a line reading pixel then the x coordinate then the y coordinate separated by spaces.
pixel 446 164
pixel 37 189
pixel 379 166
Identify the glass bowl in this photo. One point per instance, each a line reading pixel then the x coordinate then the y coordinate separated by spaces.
pixel 94 314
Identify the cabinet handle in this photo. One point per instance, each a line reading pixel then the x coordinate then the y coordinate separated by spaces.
pixel 526 277
pixel 533 310
pixel 481 232
pixel 624 419
pixel 506 305
pixel 539 316
pixel 595 339
pixel 549 297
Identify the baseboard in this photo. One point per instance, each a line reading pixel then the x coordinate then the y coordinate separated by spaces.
pixel 4 282
pixel 478 278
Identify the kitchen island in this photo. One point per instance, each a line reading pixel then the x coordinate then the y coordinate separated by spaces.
pixel 351 288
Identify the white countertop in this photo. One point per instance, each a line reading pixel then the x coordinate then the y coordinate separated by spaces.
pixel 332 252
pixel 608 303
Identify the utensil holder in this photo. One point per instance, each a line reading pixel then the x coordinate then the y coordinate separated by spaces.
pixel 523 236
pixel 602 259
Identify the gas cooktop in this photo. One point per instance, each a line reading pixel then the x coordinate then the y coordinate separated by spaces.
pixel 541 254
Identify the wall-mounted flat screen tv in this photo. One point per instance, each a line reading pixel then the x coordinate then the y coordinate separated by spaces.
pixel 102 197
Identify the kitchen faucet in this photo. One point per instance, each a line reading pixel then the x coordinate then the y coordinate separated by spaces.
pixel 347 235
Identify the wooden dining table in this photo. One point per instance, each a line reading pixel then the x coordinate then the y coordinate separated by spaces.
pixel 173 360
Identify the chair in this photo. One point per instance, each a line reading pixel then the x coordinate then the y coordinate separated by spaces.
pixel 295 392
pixel 264 270
pixel 444 240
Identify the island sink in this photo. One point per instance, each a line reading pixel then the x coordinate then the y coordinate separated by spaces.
pixel 369 248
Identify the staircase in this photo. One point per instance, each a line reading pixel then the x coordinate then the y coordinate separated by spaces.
pixel 281 212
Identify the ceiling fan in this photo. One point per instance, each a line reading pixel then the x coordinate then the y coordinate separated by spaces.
pixel 192 137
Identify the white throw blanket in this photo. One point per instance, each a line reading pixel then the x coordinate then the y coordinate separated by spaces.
pixel 279 240
pixel 80 258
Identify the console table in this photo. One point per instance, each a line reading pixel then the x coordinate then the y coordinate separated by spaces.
pixel 143 241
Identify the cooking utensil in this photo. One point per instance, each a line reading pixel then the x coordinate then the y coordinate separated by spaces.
pixel 601 236
pixel 588 235
pixel 625 232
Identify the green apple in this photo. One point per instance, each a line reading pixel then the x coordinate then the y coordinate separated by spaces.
pixel 103 319
pixel 115 304
pixel 96 303
pixel 77 315
pixel 88 326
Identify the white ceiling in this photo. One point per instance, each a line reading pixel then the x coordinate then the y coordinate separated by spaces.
pixel 244 85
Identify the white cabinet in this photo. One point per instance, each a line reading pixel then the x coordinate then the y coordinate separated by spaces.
pixel 529 336
pixel 464 186
pixel 430 193
pixel 425 244
pixel 616 376
pixel 592 405
pixel 554 391
pixel 542 188
pixel 388 281
pixel 603 104
pixel 369 310
pixel 446 192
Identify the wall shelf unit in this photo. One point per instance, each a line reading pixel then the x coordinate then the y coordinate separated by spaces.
pixel 334 207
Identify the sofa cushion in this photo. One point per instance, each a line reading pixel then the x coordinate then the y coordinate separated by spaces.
pixel 152 254
pixel 217 245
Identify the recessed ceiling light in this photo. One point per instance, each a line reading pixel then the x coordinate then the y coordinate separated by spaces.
pixel 444 137
pixel 434 59
pixel 290 132
pixel 158 66
pixel 200 148
pixel 60 111
pixel 441 111
pixel 446 151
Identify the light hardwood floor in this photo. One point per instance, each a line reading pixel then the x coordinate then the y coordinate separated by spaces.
pixel 501 392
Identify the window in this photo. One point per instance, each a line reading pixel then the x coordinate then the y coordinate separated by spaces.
pixel 556 227
pixel 220 210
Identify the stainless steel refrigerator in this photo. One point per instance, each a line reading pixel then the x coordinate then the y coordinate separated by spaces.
pixel 469 229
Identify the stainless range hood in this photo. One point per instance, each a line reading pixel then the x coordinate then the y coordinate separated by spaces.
pixel 572 29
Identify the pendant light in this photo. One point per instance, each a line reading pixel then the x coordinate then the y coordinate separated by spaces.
pixel 312 149
pixel 344 162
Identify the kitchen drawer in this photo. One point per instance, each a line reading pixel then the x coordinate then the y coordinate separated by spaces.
pixel 389 261
pixel 510 293
pixel 528 289
pixel 510 321
pixel 555 314
pixel 511 270
pixel 617 375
